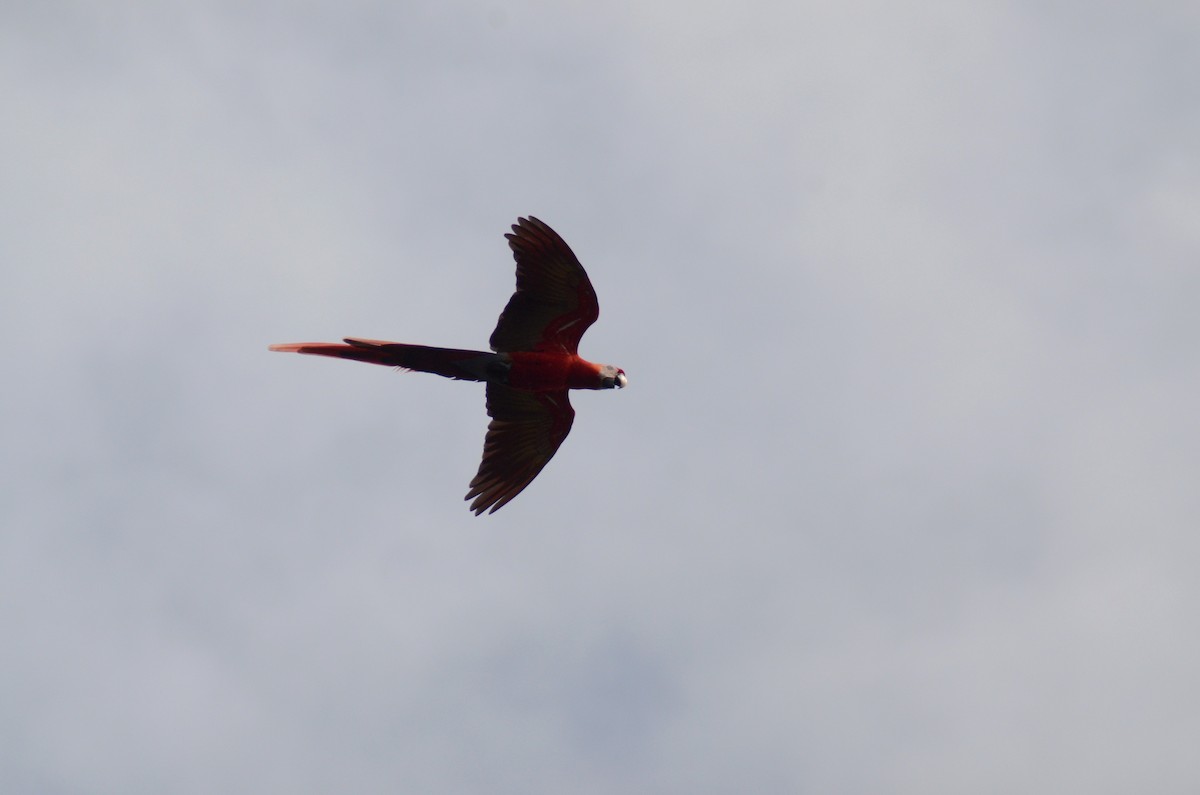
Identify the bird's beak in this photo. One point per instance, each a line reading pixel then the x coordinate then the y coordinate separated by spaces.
pixel 622 381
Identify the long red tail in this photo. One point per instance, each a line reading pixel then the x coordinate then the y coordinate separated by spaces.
pixel 449 362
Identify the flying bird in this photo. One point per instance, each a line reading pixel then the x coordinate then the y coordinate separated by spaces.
pixel 534 362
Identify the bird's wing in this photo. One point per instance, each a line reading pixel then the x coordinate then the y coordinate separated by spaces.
pixel 554 302
pixel 525 432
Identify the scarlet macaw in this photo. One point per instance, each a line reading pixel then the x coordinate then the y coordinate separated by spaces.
pixel 535 362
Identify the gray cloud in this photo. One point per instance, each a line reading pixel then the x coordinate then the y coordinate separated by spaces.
pixel 900 498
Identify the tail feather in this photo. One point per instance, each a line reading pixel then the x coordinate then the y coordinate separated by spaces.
pixel 449 362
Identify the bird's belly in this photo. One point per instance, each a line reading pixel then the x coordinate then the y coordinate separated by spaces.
pixel 539 372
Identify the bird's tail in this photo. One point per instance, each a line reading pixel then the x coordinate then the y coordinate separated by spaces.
pixel 448 362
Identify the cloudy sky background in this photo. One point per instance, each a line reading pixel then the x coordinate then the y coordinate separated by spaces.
pixel 902 496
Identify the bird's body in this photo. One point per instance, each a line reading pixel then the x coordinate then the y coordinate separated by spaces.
pixel 533 363
pixel 532 371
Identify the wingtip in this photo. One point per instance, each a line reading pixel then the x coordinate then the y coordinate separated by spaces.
pixel 527 222
pixel 475 507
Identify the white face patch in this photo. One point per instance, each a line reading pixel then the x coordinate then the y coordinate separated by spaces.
pixel 612 377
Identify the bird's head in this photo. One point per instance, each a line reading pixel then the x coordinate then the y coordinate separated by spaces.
pixel 611 377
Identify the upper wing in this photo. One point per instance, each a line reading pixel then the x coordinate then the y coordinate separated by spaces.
pixel 525 432
pixel 554 302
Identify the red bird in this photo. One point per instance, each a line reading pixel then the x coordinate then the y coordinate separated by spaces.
pixel 535 362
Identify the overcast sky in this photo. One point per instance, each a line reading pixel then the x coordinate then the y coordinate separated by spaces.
pixel 902 497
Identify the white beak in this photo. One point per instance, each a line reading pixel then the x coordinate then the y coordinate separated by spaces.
pixel 622 381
